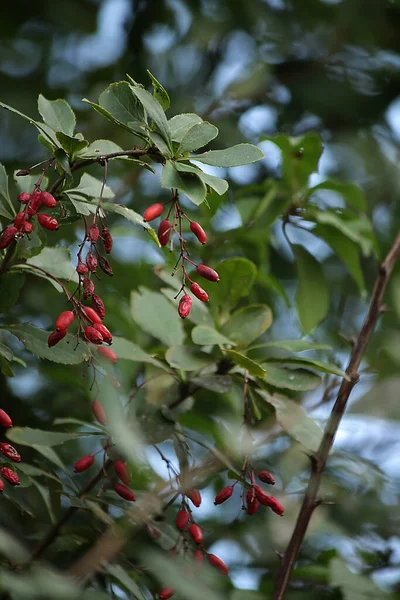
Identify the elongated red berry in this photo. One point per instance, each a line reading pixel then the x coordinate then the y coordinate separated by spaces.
pixel 55 337
pixel 9 475
pixel 217 563
pixel 48 222
pixel 261 496
pixel 199 557
pixel 107 337
pixel 108 354
pixel 166 593
pixel 121 470
pixel 105 266
pixel 266 477
pixel 20 220
pixel 91 314
pixel 92 335
pixel 252 502
pixel 182 519
pixel 24 197
pixel 185 304
pixel 26 227
pixel 194 496
pixel 198 231
pixel 98 306
pixel 93 233
pixel 83 463
pixel 7 236
pixel 195 533
pixel 276 506
pixel 107 239
pixel 34 203
pixel 198 292
pixel 10 452
pixel 207 273
pixel 88 287
pixel 164 232
pixel 124 492
pixel 65 320
pixel 223 495
pixel 99 412
pixel 91 261
pixel 5 419
pixel 153 212
pixel 1 486
pixel 82 269
pixel 48 200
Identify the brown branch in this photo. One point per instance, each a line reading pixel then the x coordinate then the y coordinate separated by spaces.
pixel 311 500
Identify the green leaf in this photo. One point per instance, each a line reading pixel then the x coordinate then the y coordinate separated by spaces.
pixel 6 352
pixel 100 147
pixel 4 212
pixel 46 131
pixel 159 92
pixel 352 194
pixel 180 125
pixel 57 114
pixel 245 362
pixel 312 296
pixel 207 336
pixel 216 183
pixel 291 379
pixel 237 277
pixel 131 216
pixel 291 345
pixel 27 182
pixel 241 154
pixel 12 548
pixel 90 187
pixel 199 313
pixel 198 136
pixel 26 436
pixel 121 103
pixel 156 315
pixel 71 145
pixel 312 363
pixel 221 384
pixel 10 287
pixel 187 358
pixel 127 350
pixel 35 340
pixel 248 323
pixel 155 112
pixel 63 163
pixel 154 427
pixel 27 247
pixel 188 183
pixel 57 262
pixel 352 585
pixel 294 420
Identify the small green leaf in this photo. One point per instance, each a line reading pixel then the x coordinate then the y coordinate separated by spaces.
pixel 71 145
pixel 248 323
pixel 100 147
pixel 198 136
pixel 243 361
pixel 119 101
pixel 188 183
pixel 156 315
pixel 131 216
pixel 312 297
pixel 46 131
pixel 27 182
pixel 180 125
pixel 127 350
pixel 159 92
pixel 291 345
pixel 215 183
pixel 63 162
pixel 155 112
pixel 56 261
pixel 237 277
pixel 241 154
pixel 4 211
pixel 207 336
pixel 354 586
pixel 6 352
pixel 221 384
pixel 356 228
pixel 26 436
pixel 57 114
pixel 353 195
pixel 312 363
pixel 291 379
pixel 187 358
pixel 90 187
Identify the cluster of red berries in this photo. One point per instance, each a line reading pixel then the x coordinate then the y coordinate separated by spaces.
pixel 255 495
pixel 120 469
pixel 165 229
pixel 22 223
pixel 9 452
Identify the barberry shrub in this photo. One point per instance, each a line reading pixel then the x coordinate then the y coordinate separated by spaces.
pixel 182 370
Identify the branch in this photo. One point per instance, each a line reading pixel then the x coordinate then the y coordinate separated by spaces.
pixel 311 500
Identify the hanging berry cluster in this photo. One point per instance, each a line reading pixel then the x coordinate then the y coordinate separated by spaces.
pixel 173 225
pixel 9 452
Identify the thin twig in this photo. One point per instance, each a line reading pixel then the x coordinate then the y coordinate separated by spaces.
pixel 311 500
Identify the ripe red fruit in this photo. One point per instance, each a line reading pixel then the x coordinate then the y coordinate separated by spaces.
pixel 24 197
pixel 88 287
pixel 276 506
pixel 99 412
pixel 223 495
pixel 91 314
pixel 105 266
pixel 199 557
pixel 108 354
pixel 182 519
pixel 55 337
pixel 48 199
pixel 218 564
pixel 107 239
pixel 196 533
pixel 252 502
pixel 266 477
pixel 164 232
pixel 26 227
pixel 207 273
pixel 20 219
pixel 124 492
pixel 122 471
pixel 7 237
pixel 83 463
pixel 185 304
pixel 261 496
pixel 65 320
pixel 10 452
pixel 48 222
pixel 91 261
pixel 93 233
pixel 198 231
pixel 198 292
pixel 9 475
pixel 107 337
pixel 98 306
pixel 34 203
pixel 5 420
pixel 82 268
pixel 92 335
pixel 153 212
pixel 166 593
pixel 1 485
pixel 194 496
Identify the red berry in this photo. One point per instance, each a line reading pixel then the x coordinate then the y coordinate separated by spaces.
pixel 182 519
pixel 9 475
pixel 276 506
pixel 185 304
pixel 164 231
pixel 266 477
pixel 153 212
pixel 88 287
pixel 194 496
pixel 98 306
pixel 108 354
pixel 20 220
pixel 7 237
pixel 91 314
pixel 223 495
pixel 48 222
pixel 207 273
pixel 252 502
pixel 24 197
pixel 107 337
pixel 1 485
pixel 55 337
pixel 122 471
pixel 83 463
pixel 10 452
pixel 217 563
pixel 166 593
pixel 199 557
pixel 5 420
pixel 26 227
pixel 99 412
pixel 48 199
pixel 34 203
pixel 124 492
pixel 198 292
pixel 195 533
pixel 198 231
pixel 107 239
pixel 261 496
pixel 91 261
pixel 82 268
pixel 93 233
pixel 65 320
pixel 92 335
pixel 105 266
